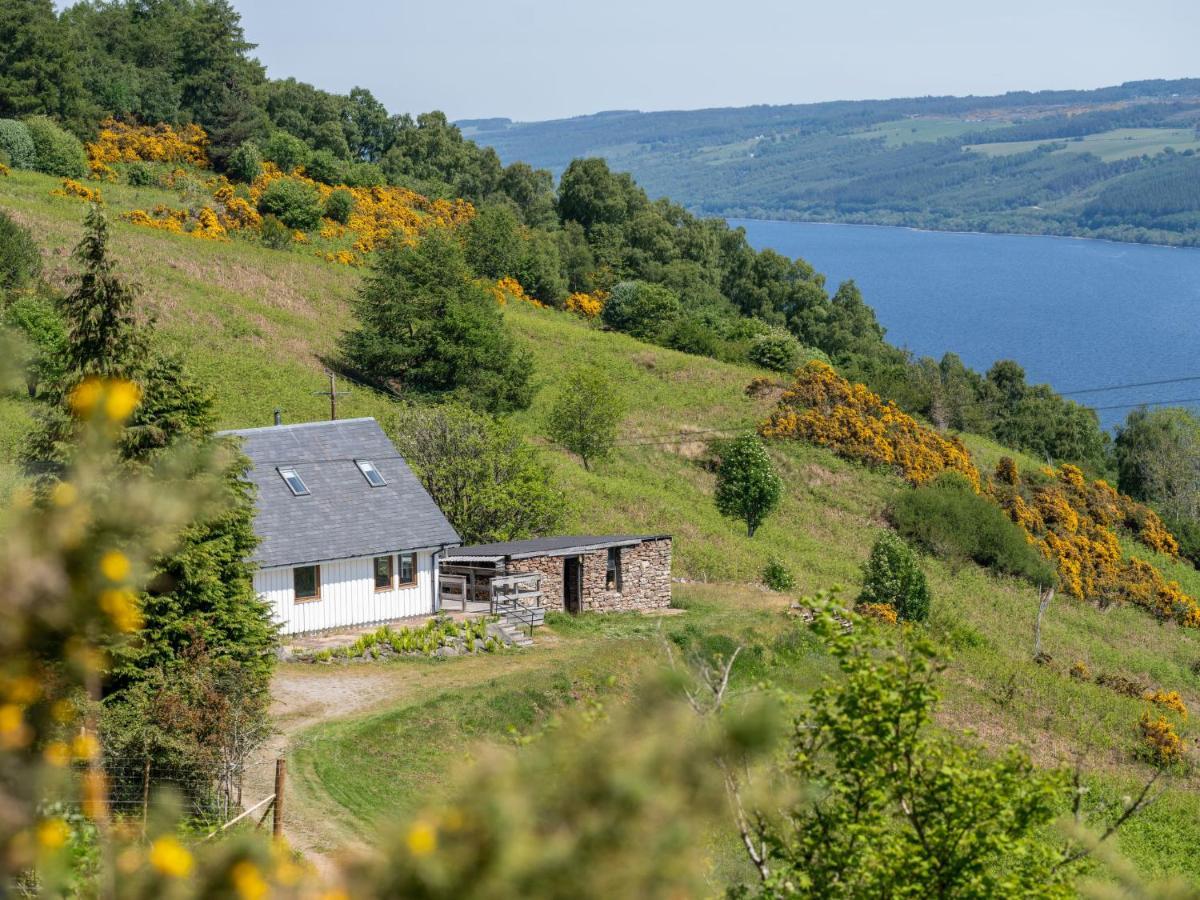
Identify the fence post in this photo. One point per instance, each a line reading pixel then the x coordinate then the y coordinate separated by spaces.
pixel 277 816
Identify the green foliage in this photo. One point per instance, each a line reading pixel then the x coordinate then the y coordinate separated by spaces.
pixel 245 162
pixel 286 150
pixel 586 414
pixel 776 350
pixel 17 144
pixel 139 175
pixel 893 575
pixel 948 518
pixel 748 488
pixel 35 318
pixel 325 167
pixel 889 807
pixel 20 259
pixel 295 203
pixel 439 636
pixel 427 327
pixel 274 234
pixel 1158 461
pixel 56 151
pixel 777 576
pixel 641 309
pixel 489 481
pixel 339 205
pixel 364 175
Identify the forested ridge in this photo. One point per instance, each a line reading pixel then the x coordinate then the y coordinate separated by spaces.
pixel 1054 162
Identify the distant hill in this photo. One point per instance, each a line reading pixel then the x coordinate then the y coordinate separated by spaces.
pixel 1117 162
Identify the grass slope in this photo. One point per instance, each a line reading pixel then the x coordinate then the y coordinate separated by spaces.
pixel 256 324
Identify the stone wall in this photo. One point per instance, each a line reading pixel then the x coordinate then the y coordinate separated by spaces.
pixel 645 578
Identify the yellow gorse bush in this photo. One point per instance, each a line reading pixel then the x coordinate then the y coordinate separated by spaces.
pixel 1168 700
pixel 509 290
pixel 1160 741
pixel 76 191
pixel 823 408
pixel 122 142
pixel 587 305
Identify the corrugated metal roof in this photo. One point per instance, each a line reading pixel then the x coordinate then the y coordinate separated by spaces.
pixel 342 515
pixel 565 545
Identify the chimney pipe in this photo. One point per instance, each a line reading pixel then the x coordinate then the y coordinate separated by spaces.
pixel 278 417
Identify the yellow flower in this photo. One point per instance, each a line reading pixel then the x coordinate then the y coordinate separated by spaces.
pixel 123 397
pixel 63 711
pixel 12 725
pixel 86 396
pixel 53 833
pixel 114 565
pixel 421 839
pixel 64 494
pixel 170 857
pixel 247 881
pixel 85 746
pixel 57 754
pixel 121 606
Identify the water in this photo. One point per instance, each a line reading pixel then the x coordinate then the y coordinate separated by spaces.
pixel 1075 313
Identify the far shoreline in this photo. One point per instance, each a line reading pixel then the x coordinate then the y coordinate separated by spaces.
pixel 928 230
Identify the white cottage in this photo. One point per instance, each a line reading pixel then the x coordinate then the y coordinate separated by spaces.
pixel 348 534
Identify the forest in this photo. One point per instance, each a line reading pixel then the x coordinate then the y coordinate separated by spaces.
pixel 1019 162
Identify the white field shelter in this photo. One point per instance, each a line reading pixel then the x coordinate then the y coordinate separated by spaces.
pixel 348 534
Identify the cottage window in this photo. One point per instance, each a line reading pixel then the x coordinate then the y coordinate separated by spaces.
pixel 372 474
pixel 383 573
pixel 306 582
pixel 294 482
pixel 612 575
pixel 408 568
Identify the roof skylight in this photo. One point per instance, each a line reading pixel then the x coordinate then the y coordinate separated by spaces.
pixel 372 474
pixel 294 482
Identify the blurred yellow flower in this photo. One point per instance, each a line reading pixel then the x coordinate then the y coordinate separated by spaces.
pixel 114 565
pixel 86 395
pixel 248 881
pixel 64 494
pixel 421 839
pixel 170 857
pixel 57 754
pixel 123 397
pixel 53 833
pixel 85 746
pixel 121 606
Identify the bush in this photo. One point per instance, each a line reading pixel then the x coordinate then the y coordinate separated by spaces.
pixel 56 152
pixel 139 175
pixel 777 576
pixel 893 576
pixel 326 168
pixel 20 261
pixel 947 518
pixel 286 150
pixel 245 163
pixel 274 234
pixel 777 350
pixel 295 203
pixel 641 309
pixel 339 205
pixel 17 144
pixel 364 175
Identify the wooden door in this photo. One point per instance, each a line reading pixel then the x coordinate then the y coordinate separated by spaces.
pixel 572 584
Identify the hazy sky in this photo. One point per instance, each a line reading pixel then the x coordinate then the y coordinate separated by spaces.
pixel 538 59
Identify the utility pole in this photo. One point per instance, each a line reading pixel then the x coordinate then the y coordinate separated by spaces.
pixel 333 393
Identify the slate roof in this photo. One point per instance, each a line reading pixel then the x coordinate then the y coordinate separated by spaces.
pixel 342 516
pixel 567 545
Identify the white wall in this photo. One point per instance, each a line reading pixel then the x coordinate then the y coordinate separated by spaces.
pixel 348 595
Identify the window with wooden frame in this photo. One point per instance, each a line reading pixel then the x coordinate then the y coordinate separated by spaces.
pixel 384 573
pixel 408 569
pixel 306 583
pixel 612 574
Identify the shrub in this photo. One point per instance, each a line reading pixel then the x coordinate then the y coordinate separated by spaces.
pixel 893 576
pixel 56 152
pixel 364 175
pixel 947 518
pixel 777 576
pixel 339 205
pixel 20 261
pixel 295 203
pixel 326 168
pixel 879 612
pixel 748 488
pixel 1161 745
pixel 139 175
pixel 245 163
pixel 641 309
pixel 1080 671
pixel 586 413
pixel 17 144
pixel 275 234
pixel 777 350
pixel 286 150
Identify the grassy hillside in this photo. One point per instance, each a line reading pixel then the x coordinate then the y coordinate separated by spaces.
pixel 1054 162
pixel 256 323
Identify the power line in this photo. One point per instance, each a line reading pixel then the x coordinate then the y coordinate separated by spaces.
pixel 1136 384
pixel 1148 403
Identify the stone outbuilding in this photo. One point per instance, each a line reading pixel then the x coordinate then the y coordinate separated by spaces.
pixel 574 574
